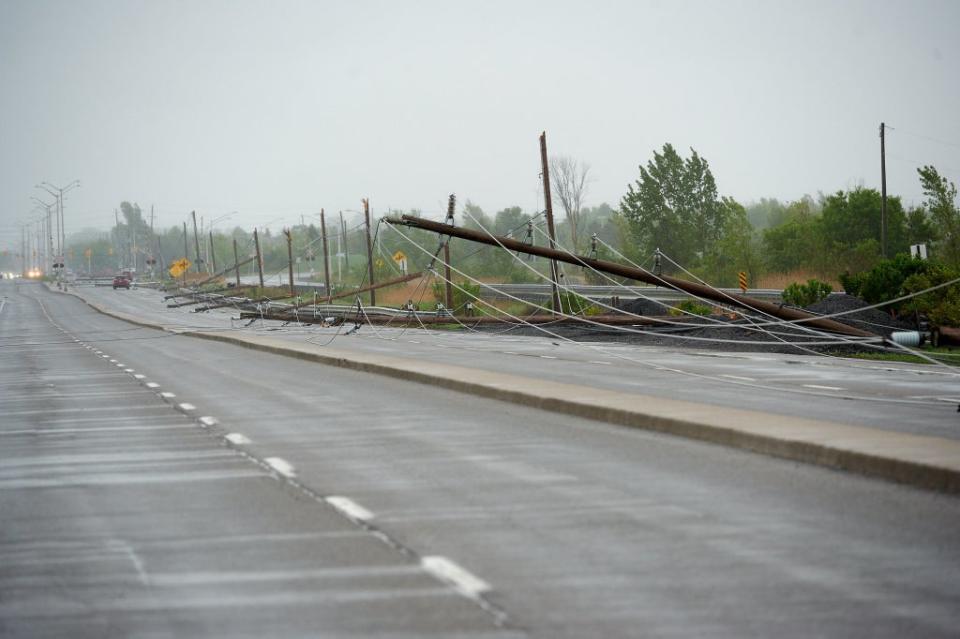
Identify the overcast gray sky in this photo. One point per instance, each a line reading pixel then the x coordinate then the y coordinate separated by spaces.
pixel 275 109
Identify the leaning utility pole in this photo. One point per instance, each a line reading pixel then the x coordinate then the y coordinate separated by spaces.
pixel 366 218
pixel 548 205
pixel 293 291
pixel 448 298
pixel 196 240
pixel 256 243
pixel 883 192
pixel 326 259
pixel 633 273
pixel 186 251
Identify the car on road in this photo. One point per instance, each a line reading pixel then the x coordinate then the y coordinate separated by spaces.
pixel 121 281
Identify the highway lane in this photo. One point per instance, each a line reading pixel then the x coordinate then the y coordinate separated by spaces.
pixel 121 516
pixel 579 528
pixel 895 396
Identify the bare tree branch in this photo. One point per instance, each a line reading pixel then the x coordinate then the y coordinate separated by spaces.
pixel 568 178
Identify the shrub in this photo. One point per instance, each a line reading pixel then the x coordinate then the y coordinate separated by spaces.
pixel 942 307
pixel 466 292
pixel 802 295
pixel 690 306
pixel 884 281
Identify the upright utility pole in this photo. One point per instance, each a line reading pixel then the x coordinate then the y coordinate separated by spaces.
pixel 548 204
pixel 256 243
pixel 236 261
pixel 186 252
pixel 153 265
pixel 346 247
pixel 196 241
pixel 883 192
pixel 213 253
pixel 326 258
pixel 366 218
pixel 117 246
pixel 448 298
pixel 293 291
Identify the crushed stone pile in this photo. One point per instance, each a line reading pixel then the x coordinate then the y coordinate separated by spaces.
pixel 874 320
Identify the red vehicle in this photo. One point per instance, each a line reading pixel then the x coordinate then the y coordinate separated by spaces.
pixel 121 281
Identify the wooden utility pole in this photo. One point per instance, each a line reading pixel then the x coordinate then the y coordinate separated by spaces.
pixel 633 273
pixel 213 254
pixel 883 192
pixel 326 258
pixel 548 205
pixel 366 218
pixel 186 252
pixel 256 243
pixel 346 248
pixel 196 241
pixel 236 261
pixel 293 291
pixel 451 206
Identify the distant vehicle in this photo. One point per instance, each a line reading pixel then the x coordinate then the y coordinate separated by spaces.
pixel 121 281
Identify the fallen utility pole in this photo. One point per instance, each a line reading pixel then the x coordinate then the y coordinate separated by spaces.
pixel 373 287
pixel 621 270
pixel 358 291
pixel 225 271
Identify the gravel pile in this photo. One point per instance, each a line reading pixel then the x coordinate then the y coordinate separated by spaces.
pixel 639 306
pixel 873 320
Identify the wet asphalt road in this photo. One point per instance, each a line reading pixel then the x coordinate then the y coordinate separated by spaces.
pixel 570 528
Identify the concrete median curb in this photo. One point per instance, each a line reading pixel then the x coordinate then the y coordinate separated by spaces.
pixel 931 463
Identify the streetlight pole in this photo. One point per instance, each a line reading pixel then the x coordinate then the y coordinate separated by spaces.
pixel 60 191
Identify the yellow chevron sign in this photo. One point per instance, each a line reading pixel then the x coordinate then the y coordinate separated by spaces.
pixel 180 267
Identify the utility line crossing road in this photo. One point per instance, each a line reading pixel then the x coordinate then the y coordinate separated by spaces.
pixel 894 396
pixel 269 496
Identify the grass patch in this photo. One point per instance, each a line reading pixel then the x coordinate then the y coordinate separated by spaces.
pixel 946 355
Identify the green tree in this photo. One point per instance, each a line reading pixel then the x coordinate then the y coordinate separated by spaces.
pixel 793 244
pixel 941 198
pixel 853 217
pixel 737 249
pixel 674 206
pixel 920 229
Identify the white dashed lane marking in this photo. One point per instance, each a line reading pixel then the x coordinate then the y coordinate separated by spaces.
pixel 449 572
pixel 350 508
pixel 820 387
pixel 282 466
